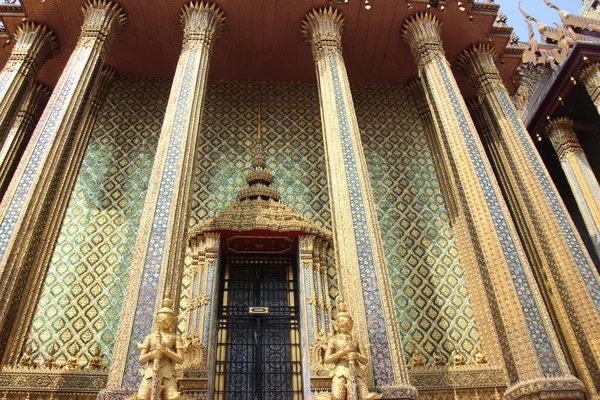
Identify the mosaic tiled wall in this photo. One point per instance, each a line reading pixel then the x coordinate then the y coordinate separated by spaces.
pixel 431 297
pixel 293 144
pixel 83 290
pixel 84 286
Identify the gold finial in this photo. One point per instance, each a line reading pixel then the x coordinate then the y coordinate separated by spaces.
pixel 342 309
pixel 259 129
pixel 259 178
pixel 562 13
pixel 167 304
pixel 541 26
pixel 527 16
pixel 259 150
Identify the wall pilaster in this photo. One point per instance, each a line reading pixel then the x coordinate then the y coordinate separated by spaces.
pixel 20 132
pixel 23 210
pixel 34 44
pixel 532 354
pixel 357 239
pixel 159 253
pixel 555 250
pixel 579 173
pixel 54 217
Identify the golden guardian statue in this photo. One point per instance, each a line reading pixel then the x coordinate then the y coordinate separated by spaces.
pixel 160 351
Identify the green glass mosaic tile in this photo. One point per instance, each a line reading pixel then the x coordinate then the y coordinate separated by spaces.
pixel 85 282
pixel 430 293
pixel 84 286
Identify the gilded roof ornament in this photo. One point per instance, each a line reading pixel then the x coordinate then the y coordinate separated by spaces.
pixel 257 206
pixel 575 21
pixel 542 28
pixel 259 178
pixel 564 40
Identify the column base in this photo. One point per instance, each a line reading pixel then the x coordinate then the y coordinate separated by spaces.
pixel 115 394
pixel 322 387
pixel 560 388
pixel 399 392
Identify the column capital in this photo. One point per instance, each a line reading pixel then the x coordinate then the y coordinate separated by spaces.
pixel 477 63
pixel 202 23
pixel 423 32
pixel 563 138
pixel 323 28
pixel 103 20
pixel 34 44
pixel 590 76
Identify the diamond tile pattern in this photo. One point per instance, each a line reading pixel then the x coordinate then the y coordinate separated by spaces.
pixel 293 144
pixel 84 286
pixel 430 293
pixel 85 283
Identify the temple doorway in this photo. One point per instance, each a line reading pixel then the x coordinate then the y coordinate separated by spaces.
pixel 258 340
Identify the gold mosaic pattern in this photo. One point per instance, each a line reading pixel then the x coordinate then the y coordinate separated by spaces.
pixel 430 293
pixel 84 286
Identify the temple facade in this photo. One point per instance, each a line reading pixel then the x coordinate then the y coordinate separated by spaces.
pixel 321 200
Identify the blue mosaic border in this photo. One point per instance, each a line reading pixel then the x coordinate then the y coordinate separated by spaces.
pixel 380 350
pixel 581 260
pixel 309 311
pixel 193 289
pixel 210 279
pixel 144 312
pixel 325 296
pixel 46 136
pixel 547 359
pixel 317 308
pixel 5 80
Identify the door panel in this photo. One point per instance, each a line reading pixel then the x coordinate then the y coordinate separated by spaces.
pixel 258 354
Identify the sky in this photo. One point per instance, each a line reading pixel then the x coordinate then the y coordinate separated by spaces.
pixel 537 9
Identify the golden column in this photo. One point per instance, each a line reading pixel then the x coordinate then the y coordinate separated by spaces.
pixel 357 240
pixel 457 212
pixel 532 355
pixel 55 213
pixel 590 77
pixel 568 277
pixel 579 174
pixel 159 252
pixel 20 132
pixel 34 44
pixel 23 211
